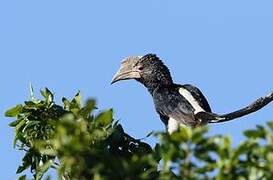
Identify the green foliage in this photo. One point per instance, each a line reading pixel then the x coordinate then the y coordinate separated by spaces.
pixel 82 143
pixel 78 142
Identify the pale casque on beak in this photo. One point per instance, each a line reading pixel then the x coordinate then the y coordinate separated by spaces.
pixel 127 70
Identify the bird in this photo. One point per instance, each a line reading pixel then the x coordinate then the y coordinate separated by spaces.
pixel 177 104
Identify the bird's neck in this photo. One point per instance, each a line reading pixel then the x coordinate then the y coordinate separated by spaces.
pixel 159 81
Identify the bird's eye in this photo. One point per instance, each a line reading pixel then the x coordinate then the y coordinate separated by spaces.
pixel 141 68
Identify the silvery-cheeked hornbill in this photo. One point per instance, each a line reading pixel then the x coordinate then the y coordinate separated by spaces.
pixel 177 105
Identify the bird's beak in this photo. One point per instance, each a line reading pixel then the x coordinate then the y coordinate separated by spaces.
pixel 127 70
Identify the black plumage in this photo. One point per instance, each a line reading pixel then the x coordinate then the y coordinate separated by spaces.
pixel 176 104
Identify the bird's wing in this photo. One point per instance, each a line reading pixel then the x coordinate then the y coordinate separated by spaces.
pixel 169 103
pixel 182 103
pixel 195 97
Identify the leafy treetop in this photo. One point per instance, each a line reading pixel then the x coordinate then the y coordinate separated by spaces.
pixel 81 143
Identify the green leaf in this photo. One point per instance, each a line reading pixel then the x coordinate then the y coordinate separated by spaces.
pixel 22 168
pixel 31 105
pixel 227 142
pixel 23 177
pixel 15 111
pixel 19 125
pixel 198 134
pixel 14 123
pixel 48 152
pixel 183 135
pixel 76 101
pixel 254 134
pixel 89 107
pixel 77 98
pixel 204 156
pixel 42 169
pixel 270 125
pixel 18 132
pixel 66 103
pixel 19 136
pixel 243 148
pixel 105 118
pixel 157 152
pixel 47 94
pixel 31 92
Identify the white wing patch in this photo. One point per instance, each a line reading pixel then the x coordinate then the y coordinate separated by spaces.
pixel 188 96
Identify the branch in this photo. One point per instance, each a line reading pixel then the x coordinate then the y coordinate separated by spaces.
pixel 255 106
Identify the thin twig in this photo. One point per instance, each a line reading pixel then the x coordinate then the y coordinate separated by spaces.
pixel 255 106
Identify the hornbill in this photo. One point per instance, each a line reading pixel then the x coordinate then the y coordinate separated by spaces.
pixel 177 105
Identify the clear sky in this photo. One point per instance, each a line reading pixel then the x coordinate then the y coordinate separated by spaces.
pixel 223 47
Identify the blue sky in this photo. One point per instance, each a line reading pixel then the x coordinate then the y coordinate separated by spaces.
pixel 223 47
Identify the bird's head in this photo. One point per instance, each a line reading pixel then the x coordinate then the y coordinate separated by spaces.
pixel 148 69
